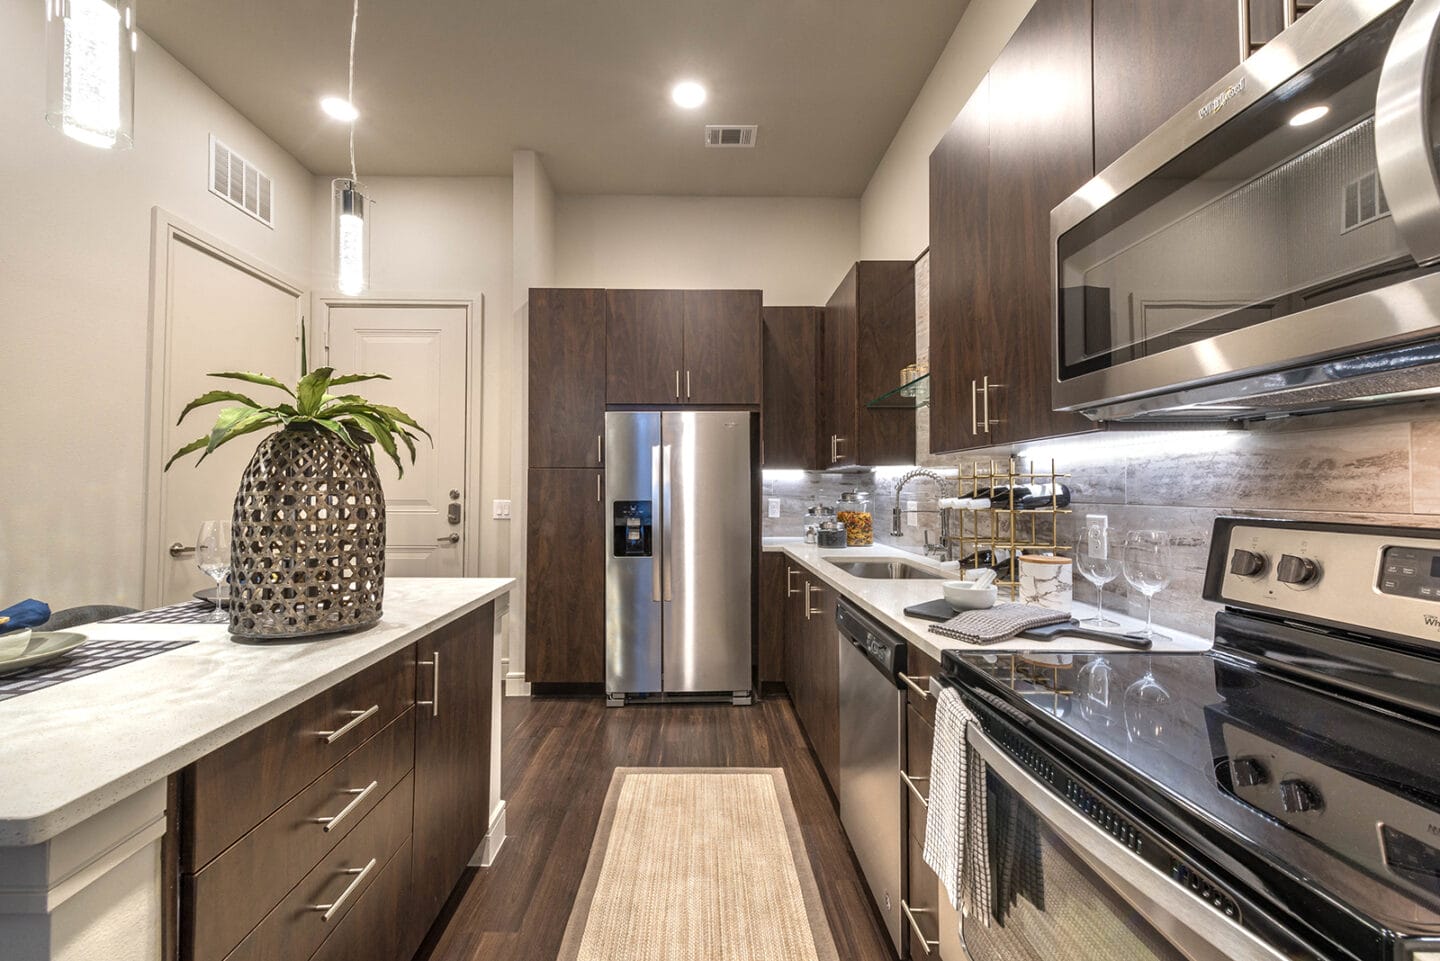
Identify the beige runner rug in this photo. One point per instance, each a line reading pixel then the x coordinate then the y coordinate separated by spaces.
pixel 698 864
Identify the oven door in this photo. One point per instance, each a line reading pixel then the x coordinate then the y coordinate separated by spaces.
pixel 1288 217
pixel 1067 885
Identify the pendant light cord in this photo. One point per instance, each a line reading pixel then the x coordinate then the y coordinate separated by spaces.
pixel 350 89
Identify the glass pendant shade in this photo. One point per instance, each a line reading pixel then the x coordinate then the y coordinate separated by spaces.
pixel 351 219
pixel 90 61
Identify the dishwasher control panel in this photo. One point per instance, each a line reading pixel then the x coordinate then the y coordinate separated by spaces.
pixel 881 647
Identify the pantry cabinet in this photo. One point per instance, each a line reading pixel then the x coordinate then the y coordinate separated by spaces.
pixel 567 377
pixel 565 583
pixel 789 411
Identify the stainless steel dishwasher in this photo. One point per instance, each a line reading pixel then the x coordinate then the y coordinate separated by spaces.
pixel 871 702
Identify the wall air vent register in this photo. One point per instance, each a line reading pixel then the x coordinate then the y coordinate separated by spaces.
pixel 238 182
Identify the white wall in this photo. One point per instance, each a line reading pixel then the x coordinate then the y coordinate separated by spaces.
pixel 794 249
pixel 74 306
pixel 895 208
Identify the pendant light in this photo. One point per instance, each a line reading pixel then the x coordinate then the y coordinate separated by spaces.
pixel 350 207
pixel 90 61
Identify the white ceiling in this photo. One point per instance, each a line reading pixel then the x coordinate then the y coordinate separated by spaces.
pixel 451 87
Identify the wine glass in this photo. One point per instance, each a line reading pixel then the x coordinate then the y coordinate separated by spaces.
pixel 212 555
pixel 1146 707
pixel 1147 568
pixel 1093 684
pixel 1099 569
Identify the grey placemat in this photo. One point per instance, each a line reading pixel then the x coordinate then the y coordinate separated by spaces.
pixel 89 658
pixel 999 623
pixel 186 612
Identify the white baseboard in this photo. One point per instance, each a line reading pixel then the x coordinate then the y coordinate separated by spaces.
pixel 516 685
pixel 494 839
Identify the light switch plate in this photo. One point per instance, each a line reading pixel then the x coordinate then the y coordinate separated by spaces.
pixel 912 513
pixel 502 510
pixel 774 507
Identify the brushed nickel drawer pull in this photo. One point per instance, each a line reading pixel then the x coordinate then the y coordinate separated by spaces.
pixel 677 385
pixel 808 609
pixel 333 906
pixel 910 783
pixel 360 795
pixel 599 448
pixel 687 383
pixel 910 913
pixel 789 573
pixel 433 704
pixel 910 683
pixel 357 718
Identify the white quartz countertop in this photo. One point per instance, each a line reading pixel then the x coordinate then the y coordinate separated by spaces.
pixel 69 751
pixel 886 600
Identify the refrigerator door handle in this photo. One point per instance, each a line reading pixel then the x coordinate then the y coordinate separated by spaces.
pixel 655 500
pixel 667 541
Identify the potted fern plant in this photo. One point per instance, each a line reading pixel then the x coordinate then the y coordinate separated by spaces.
pixel 308 553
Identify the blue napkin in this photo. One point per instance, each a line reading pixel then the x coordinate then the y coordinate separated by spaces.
pixel 28 613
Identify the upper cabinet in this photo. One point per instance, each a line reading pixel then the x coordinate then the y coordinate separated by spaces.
pixel 676 348
pixel 791 355
pixel 567 377
pixel 869 338
pixel 1151 59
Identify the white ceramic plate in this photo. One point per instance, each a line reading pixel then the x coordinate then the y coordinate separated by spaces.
pixel 42 647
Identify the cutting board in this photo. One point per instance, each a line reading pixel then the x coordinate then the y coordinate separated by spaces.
pixel 936 610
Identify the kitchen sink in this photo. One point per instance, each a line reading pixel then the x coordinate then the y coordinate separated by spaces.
pixel 887 570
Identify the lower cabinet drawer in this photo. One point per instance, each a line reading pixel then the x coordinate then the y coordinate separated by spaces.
pixel 232 893
pixel 316 906
pixel 919 741
pixel 378 929
pixel 920 668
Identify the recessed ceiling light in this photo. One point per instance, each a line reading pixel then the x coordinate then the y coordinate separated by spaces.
pixel 687 94
pixel 1309 115
pixel 339 108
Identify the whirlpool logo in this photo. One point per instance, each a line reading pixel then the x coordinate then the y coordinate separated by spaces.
pixel 1432 620
pixel 1225 96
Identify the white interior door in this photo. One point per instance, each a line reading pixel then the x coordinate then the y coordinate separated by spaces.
pixel 215 313
pixel 423 347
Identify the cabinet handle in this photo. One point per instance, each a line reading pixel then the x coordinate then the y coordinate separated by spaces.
pixel 677 385
pixel 600 449
pixel 985 398
pixel 974 406
pixel 808 609
pixel 360 875
pixel 789 573
pixel 356 719
pixel 687 383
pixel 434 704
pixel 910 913
pixel 598 498
pixel 360 795
pixel 910 683
pixel 910 783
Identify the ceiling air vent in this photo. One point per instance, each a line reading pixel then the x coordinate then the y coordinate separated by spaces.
pixel 1364 202
pixel 730 134
pixel 236 181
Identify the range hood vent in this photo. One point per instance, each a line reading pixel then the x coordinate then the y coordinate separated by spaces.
pixel 731 134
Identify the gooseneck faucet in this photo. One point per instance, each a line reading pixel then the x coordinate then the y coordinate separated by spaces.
pixel 895 516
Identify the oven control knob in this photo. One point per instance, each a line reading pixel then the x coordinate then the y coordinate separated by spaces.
pixel 1297 796
pixel 1299 571
pixel 1248 772
pixel 1247 563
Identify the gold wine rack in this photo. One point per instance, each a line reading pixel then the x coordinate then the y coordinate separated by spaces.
pixel 1008 529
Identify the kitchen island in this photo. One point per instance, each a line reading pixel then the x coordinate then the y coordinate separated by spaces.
pixel 133 797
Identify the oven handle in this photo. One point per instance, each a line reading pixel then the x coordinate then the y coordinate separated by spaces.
pixel 1206 934
pixel 1403 140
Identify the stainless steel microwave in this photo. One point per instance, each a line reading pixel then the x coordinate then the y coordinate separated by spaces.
pixel 1273 248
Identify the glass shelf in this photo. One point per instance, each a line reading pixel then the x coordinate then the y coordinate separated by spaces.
pixel 911 396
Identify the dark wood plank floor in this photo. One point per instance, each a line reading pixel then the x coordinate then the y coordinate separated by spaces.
pixel 559 754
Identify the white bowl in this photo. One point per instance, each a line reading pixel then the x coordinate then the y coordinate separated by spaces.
pixel 14 643
pixel 965 596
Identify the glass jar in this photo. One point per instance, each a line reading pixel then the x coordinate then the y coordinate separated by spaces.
pixel 830 535
pixel 853 513
pixel 815 516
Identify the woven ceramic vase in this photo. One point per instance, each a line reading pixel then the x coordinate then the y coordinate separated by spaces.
pixel 308 554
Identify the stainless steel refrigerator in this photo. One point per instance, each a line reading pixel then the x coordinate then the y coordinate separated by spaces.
pixel 679 578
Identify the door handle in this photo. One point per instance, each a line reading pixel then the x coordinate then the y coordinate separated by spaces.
pixel 687 383
pixel 1403 152
pixel 808 609
pixel 667 548
pixel 434 703
pixel 178 549
pixel 656 559
pixel 974 405
pixel 677 384
pixel 600 448
pixel 789 573
pixel 599 498
pixel 448 539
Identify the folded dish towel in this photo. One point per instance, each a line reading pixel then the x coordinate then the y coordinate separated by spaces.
pixel 28 613
pixel 999 623
pixel 956 823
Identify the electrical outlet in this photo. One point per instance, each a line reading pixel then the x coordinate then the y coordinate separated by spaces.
pixel 502 510
pixel 912 513
pixel 774 507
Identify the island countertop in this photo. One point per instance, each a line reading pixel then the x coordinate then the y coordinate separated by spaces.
pixel 71 750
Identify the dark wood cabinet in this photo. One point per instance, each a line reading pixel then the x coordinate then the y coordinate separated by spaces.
pixel 565 582
pixel 812 668
pixel 644 346
pixel 453 681
pixel 567 377
pixel 789 411
pixel 722 347
pixel 869 337
pixel 774 584
pixel 1151 59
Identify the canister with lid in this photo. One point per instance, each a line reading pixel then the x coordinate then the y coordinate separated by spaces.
pixel 853 513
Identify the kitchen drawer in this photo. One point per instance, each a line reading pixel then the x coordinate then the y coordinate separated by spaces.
pixel 922 895
pixel 920 668
pixel 226 898
pixel 235 787
pixel 298 925
pixel 919 738
pixel 379 927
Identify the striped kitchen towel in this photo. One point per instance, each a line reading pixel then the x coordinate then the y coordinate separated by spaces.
pixel 956 837
pixel 999 623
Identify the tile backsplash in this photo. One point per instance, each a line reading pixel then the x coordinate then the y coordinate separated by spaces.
pixel 1376 467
